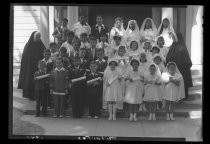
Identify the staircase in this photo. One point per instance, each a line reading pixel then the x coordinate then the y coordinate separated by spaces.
pixel 183 109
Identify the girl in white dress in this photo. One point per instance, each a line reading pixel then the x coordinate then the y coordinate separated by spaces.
pixel 147 46
pixel 152 82
pixel 134 89
pixel 167 32
pixel 144 64
pixel 118 29
pixel 158 60
pixel 163 49
pixel 173 88
pixel 115 44
pixel 112 88
pixel 123 63
pixel 134 50
pixel 132 32
pixel 148 31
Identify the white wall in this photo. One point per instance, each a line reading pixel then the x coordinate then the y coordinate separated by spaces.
pixel 26 20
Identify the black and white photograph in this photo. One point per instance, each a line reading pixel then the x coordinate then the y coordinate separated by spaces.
pixel 106 72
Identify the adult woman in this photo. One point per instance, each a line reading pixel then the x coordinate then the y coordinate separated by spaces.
pixel 148 31
pixel 167 32
pixel 132 32
pixel 118 29
pixel 32 53
pixel 178 53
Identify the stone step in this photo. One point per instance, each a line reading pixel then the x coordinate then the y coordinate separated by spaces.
pixel 197 77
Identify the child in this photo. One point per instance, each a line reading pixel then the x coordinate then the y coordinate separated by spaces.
pixel 91 54
pixel 75 52
pixel 163 49
pixel 101 62
pixel 68 43
pixel 78 88
pixel 104 44
pixel 41 89
pixel 54 51
pixel 158 61
pixel 59 87
pixel 152 89
pixel 155 50
pixel 115 45
pixel 112 88
pixel 147 49
pixel 93 91
pixel 84 62
pixel 49 67
pixel 64 56
pixel 173 89
pixel 134 89
pixel 84 41
pixel 133 50
pixel 144 64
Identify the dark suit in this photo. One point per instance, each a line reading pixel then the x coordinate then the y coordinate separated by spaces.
pixel 84 64
pixel 95 31
pixel 101 65
pixel 90 55
pixel 94 96
pixel 77 92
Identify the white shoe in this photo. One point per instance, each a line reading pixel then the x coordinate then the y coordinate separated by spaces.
pixel 110 117
pixel 134 117
pixel 150 116
pixel 153 116
pixel 140 108
pixel 171 116
pixel 114 117
pixel 131 117
pixel 167 116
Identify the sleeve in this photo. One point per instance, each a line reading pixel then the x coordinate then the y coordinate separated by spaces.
pixel 112 33
pixel 35 75
pixel 66 79
pixel 89 30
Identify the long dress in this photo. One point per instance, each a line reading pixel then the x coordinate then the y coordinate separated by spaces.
pixel 134 90
pixel 178 53
pixel 32 53
pixel 114 91
pixel 152 91
pixel 171 92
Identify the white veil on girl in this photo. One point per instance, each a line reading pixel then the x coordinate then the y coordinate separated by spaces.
pixel 178 76
pixel 154 28
pixel 130 34
pixel 170 33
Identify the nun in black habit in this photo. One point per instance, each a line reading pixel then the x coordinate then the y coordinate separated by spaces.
pixel 178 53
pixel 32 53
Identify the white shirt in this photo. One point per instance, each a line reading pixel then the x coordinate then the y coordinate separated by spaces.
pixel 48 61
pixel 78 29
pixel 68 47
pixel 62 69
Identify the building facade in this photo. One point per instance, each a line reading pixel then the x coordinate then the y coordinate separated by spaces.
pixel 186 19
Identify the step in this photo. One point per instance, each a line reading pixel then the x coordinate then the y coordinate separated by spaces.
pixel 196 69
pixel 197 77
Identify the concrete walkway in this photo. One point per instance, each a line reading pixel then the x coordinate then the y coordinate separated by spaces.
pixel 180 128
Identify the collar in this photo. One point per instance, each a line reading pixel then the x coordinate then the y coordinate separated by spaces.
pixel 62 69
pixel 93 73
pixel 103 60
pixel 42 71
pixel 49 60
pixel 98 25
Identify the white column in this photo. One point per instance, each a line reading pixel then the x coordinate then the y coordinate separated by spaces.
pixel 197 35
pixel 51 22
pixel 72 16
pixel 44 25
pixel 167 13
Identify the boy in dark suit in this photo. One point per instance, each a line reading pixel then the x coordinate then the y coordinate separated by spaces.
pixel 99 28
pixel 77 89
pixel 91 53
pixel 59 87
pixel 101 62
pixel 93 91
pixel 84 61
pixel 41 89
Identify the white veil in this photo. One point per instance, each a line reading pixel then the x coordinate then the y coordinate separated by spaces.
pixel 166 75
pixel 170 28
pixel 134 32
pixel 154 28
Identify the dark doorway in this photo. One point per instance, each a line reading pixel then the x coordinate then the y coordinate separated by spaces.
pixel 109 13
